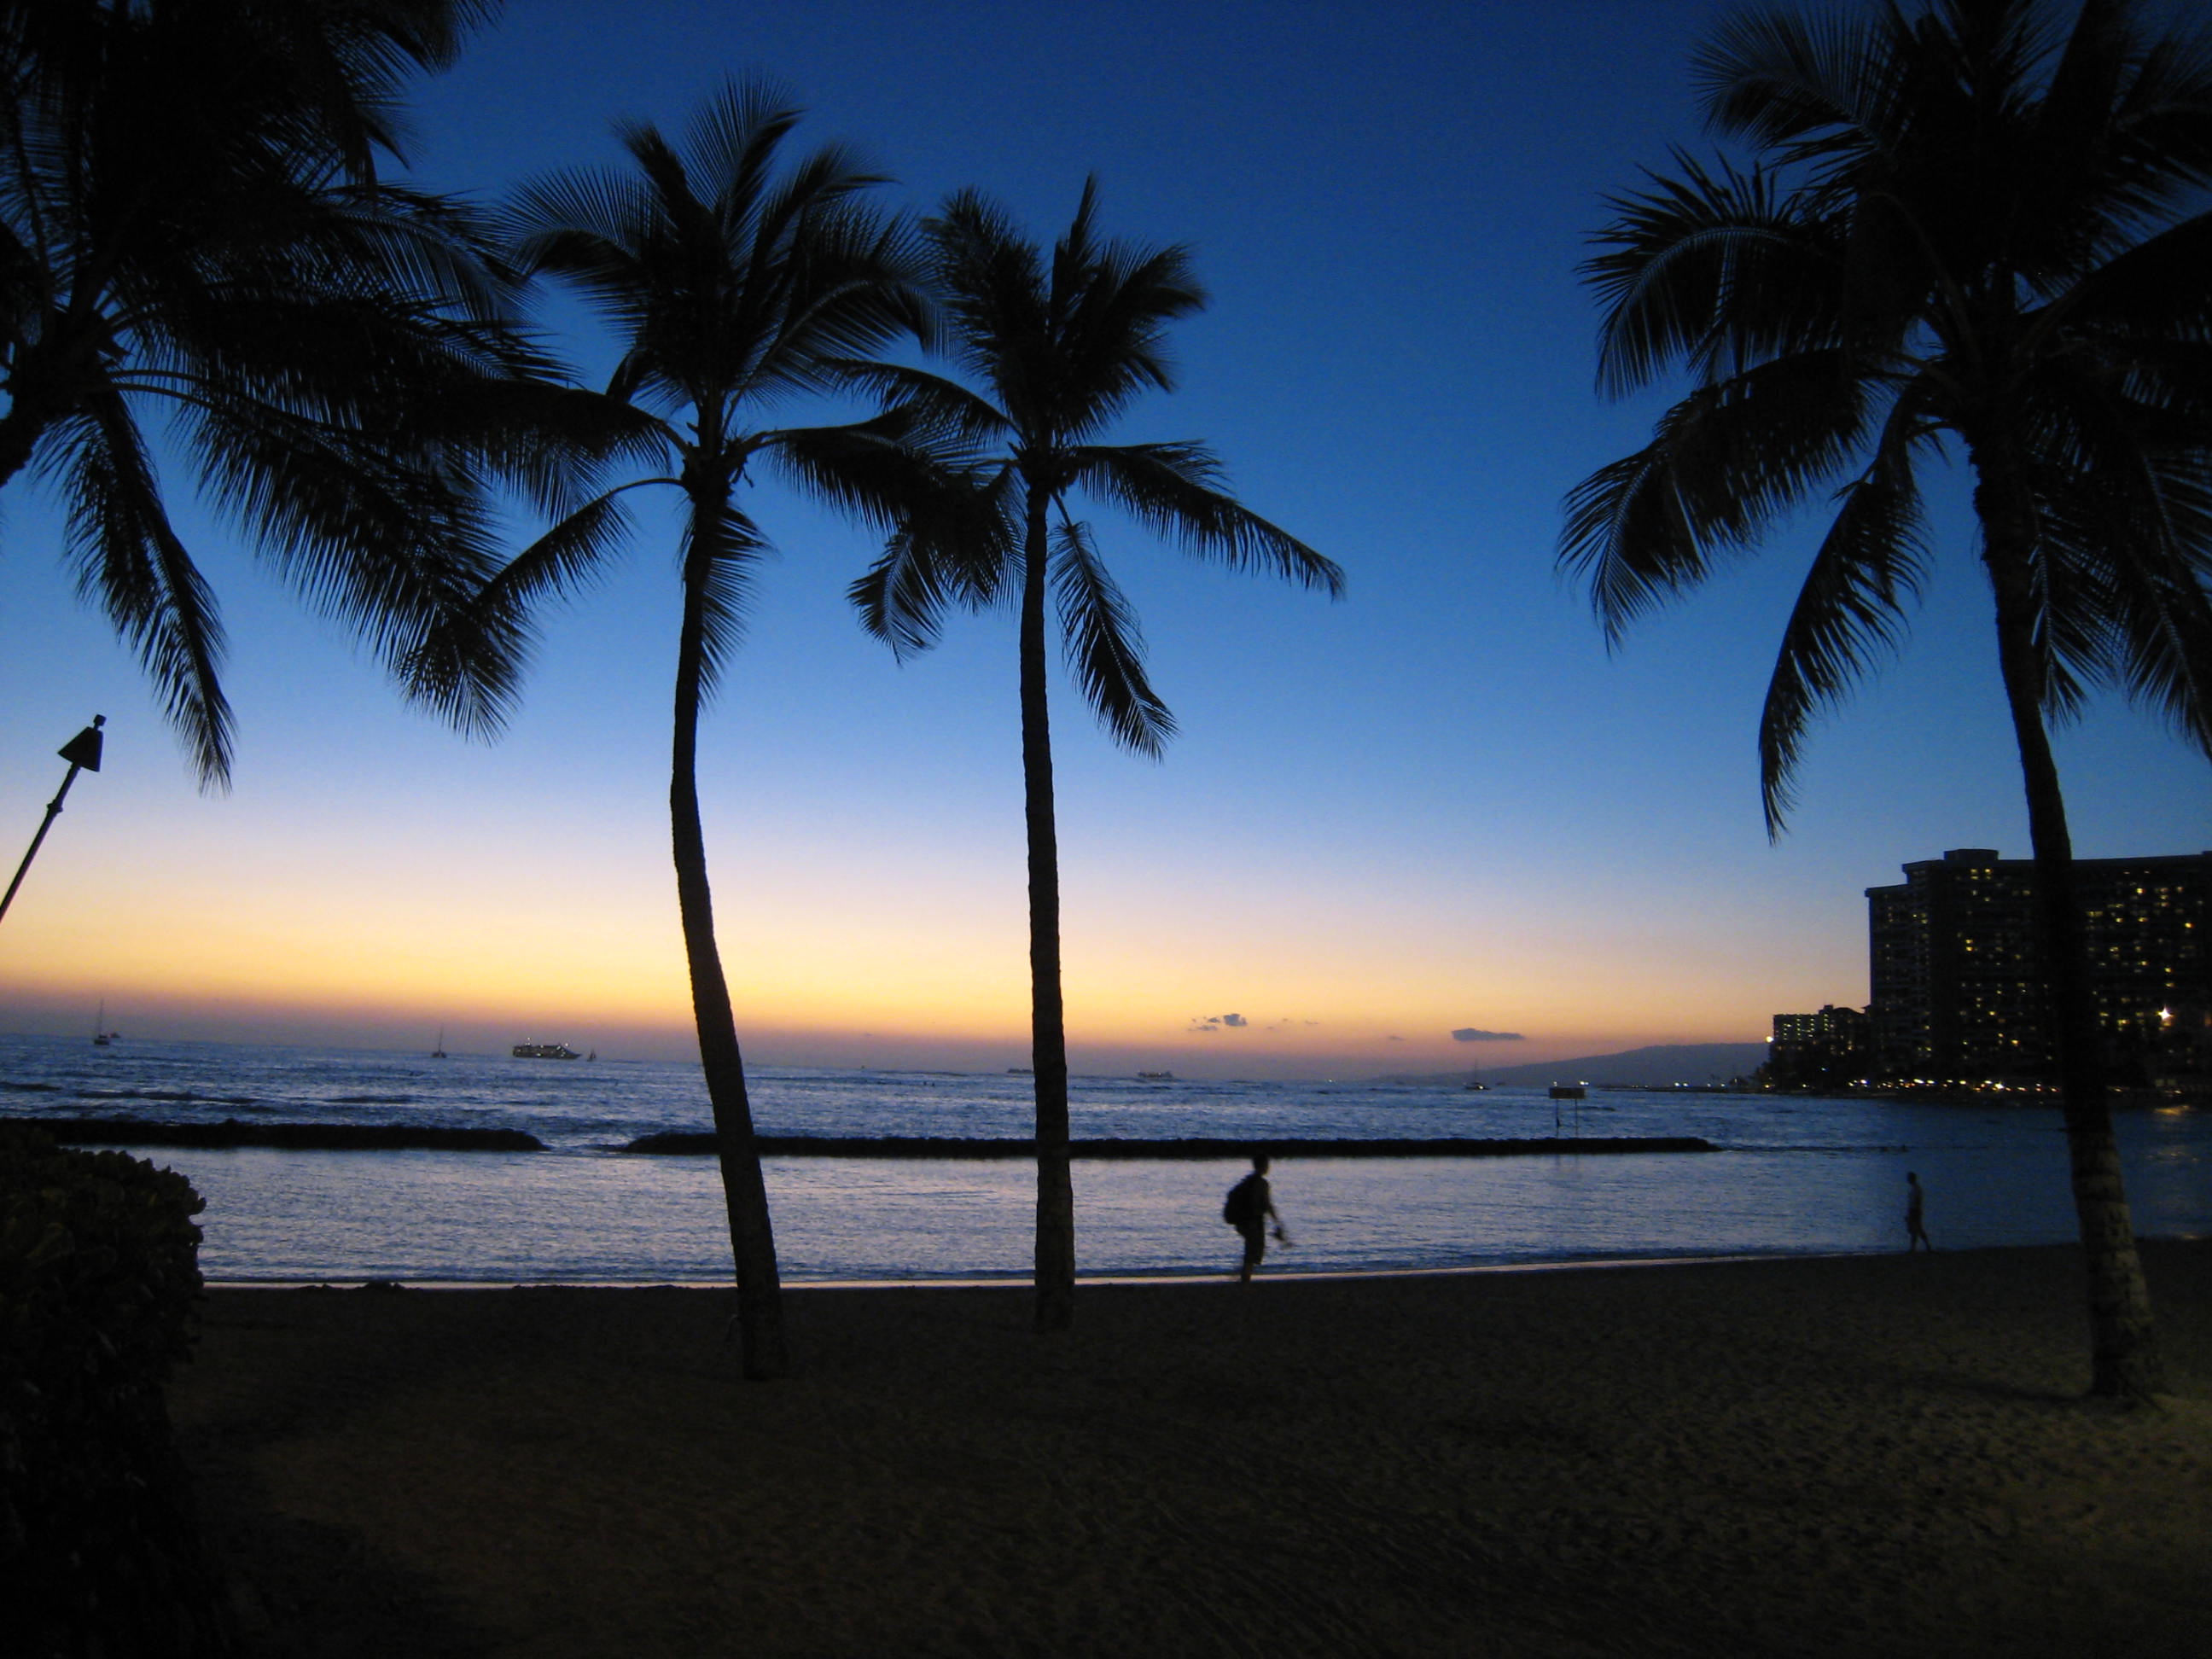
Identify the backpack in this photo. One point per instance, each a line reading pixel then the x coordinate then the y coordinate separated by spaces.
pixel 1239 1208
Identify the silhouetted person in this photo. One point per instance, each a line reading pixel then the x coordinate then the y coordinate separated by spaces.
pixel 1916 1236
pixel 1249 1208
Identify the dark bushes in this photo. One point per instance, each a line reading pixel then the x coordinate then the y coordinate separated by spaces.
pixel 98 1272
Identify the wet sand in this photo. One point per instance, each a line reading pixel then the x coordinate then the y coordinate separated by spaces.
pixel 1864 1455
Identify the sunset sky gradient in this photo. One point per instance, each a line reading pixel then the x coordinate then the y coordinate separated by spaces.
pixel 1436 805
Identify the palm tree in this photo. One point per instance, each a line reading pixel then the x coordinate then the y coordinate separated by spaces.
pixel 192 231
pixel 1974 227
pixel 732 288
pixel 1063 346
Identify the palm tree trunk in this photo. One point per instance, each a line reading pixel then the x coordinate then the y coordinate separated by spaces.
pixel 2124 1349
pixel 1055 1208
pixel 752 1238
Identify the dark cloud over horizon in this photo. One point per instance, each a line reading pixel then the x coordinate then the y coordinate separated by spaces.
pixel 1468 1034
pixel 1219 1023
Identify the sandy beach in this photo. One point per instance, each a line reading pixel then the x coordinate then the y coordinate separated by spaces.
pixel 1872 1454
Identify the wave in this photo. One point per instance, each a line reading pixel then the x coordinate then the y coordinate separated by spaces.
pixel 371 1100
pixel 33 1088
pixel 1799 1146
pixel 171 1096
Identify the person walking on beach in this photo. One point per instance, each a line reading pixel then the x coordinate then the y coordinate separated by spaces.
pixel 1916 1235
pixel 1249 1208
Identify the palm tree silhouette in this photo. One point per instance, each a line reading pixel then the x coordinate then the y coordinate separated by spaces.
pixel 1063 345
pixel 1974 226
pixel 191 229
pixel 730 285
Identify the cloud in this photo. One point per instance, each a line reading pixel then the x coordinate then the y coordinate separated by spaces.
pixel 1219 1023
pixel 1468 1034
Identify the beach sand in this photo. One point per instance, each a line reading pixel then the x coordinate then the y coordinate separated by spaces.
pixel 1862 1455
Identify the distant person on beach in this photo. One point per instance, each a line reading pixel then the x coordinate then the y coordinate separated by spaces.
pixel 1249 1208
pixel 1916 1201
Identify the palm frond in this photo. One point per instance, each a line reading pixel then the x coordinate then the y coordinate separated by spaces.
pixel 901 598
pixel 733 141
pixel 952 549
pixel 384 542
pixel 1169 487
pixel 131 563
pixel 938 411
pixel 2125 126
pixel 1850 611
pixel 1722 465
pixel 469 663
pixel 992 284
pixel 2152 292
pixel 848 284
pixel 2165 639
pixel 2126 558
pixel 880 471
pixel 1110 303
pixel 1104 647
pixel 1786 81
pixel 719 553
pixel 1713 271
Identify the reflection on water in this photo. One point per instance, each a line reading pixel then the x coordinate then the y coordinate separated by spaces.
pixel 510 1215
pixel 1795 1175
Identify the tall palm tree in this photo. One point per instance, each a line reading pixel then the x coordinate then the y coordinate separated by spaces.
pixel 734 280
pixel 195 246
pixel 1064 345
pixel 1974 227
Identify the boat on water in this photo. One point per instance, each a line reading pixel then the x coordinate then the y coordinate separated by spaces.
pixel 1156 1077
pixel 544 1051
pixel 101 1036
pixel 439 1053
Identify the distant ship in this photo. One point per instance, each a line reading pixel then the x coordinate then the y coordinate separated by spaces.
pixel 544 1051
pixel 439 1053
pixel 1156 1077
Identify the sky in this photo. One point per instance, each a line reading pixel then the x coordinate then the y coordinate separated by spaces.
pixel 1437 806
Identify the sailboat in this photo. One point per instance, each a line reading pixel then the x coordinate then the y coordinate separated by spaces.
pixel 101 1036
pixel 439 1053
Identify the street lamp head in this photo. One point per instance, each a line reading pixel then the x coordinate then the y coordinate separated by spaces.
pixel 82 753
pixel 83 749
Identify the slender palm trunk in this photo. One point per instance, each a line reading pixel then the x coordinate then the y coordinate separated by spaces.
pixel 752 1239
pixel 1055 1208
pixel 2124 1349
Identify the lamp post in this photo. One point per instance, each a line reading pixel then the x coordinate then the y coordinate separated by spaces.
pixel 82 753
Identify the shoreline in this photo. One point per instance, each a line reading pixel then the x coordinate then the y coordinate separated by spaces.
pixel 1018 1280
pixel 1831 1456
pixel 1164 1276
pixel 112 1131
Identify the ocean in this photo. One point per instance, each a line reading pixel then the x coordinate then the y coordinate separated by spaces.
pixel 1793 1175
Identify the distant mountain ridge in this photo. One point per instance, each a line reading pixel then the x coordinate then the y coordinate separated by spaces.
pixel 1664 1065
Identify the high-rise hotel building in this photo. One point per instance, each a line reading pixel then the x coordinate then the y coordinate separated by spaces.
pixel 1957 957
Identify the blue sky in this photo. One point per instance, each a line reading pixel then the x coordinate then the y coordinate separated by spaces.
pixel 1436 805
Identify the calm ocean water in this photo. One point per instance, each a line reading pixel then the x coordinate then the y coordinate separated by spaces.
pixel 1795 1175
